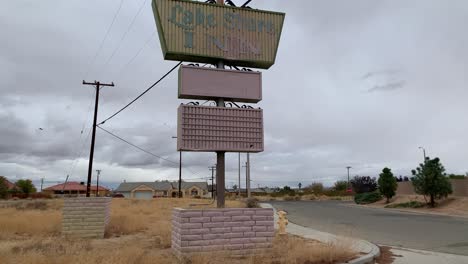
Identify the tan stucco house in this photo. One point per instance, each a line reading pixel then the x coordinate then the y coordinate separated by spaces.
pixel 148 190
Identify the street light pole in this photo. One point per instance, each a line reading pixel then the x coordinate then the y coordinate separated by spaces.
pixel 180 173
pixel 424 153
pixel 348 167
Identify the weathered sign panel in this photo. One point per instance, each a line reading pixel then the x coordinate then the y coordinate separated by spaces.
pixel 200 32
pixel 209 83
pixel 205 128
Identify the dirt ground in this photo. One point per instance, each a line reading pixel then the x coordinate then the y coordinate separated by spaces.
pixel 453 206
pixel 139 232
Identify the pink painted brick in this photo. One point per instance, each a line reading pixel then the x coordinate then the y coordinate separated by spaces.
pixel 233 212
pixel 262 218
pixel 248 223
pixel 239 240
pixel 260 228
pixel 249 234
pixel 220 218
pixel 265 211
pixel 200 219
pixel 180 219
pixel 190 213
pixel 213 248
pixel 191 237
pixel 213 236
pixel 258 239
pixel 221 241
pixel 191 225
pixel 249 245
pixel 198 231
pixel 241 229
pixel 216 230
pixel 264 234
pixel 233 235
pixel 249 212
pixel 212 213
pixel 210 225
pixel 241 218
pixel 264 223
pixel 231 224
pixel 233 247
pixel 271 228
pixel 199 243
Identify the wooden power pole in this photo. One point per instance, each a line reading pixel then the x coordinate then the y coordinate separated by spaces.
pixel 93 138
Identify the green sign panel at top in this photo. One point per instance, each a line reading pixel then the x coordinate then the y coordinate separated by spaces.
pixel 200 32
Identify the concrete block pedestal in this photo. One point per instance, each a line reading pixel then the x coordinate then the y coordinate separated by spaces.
pixel 85 217
pixel 239 231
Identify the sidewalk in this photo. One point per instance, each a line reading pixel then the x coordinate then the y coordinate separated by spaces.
pixel 371 251
pixel 410 256
pixel 368 250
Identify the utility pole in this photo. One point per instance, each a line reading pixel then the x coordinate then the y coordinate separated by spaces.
pixel 65 183
pixel 212 169
pixel 42 182
pixel 349 167
pixel 246 178
pixel 97 182
pixel 248 175
pixel 239 175
pixel 93 138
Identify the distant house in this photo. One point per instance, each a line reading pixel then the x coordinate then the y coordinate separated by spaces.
pixel 148 190
pixel 9 184
pixel 75 189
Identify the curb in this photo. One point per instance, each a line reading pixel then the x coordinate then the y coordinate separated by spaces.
pixel 371 250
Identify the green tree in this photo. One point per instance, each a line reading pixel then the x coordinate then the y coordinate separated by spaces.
pixel 387 184
pixel 26 186
pixel 430 179
pixel 3 188
pixel 341 185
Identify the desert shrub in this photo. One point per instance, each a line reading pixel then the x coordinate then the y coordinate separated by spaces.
pixel 412 204
pixel 340 186
pixel 387 184
pixel 3 188
pixel 456 177
pixel 367 198
pixel 430 179
pixel 252 203
pixel 364 184
pixel 40 195
pixel 291 198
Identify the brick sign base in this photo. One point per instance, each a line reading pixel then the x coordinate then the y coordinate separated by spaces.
pixel 85 217
pixel 241 231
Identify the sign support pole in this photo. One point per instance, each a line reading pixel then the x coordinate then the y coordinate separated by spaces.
pixel 220 157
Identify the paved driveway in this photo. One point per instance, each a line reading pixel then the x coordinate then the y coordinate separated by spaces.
pixel 382 226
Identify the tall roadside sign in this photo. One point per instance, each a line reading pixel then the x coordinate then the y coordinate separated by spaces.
pixel 219 35
pixel 200 32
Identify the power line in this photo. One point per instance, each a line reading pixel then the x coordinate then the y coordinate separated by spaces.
pixel 125 34
pixel 135 146
pixel 104 39
pixel 144 150
pixel 136 55
pixel 143 93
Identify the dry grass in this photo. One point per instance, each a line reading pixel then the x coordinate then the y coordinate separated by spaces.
pixel 456 206
pixel 139 232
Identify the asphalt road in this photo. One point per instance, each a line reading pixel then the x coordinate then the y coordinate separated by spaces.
pixel 381 226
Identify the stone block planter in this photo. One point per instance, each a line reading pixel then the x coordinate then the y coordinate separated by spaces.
pixel 240 231
pixel 85 217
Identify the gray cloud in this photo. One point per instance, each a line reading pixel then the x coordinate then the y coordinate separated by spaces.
pixel 318 120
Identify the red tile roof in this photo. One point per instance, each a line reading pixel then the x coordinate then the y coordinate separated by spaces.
pixel 73 186
pixel 9 184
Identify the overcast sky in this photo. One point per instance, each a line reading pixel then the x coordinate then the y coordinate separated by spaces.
pixel 356 83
